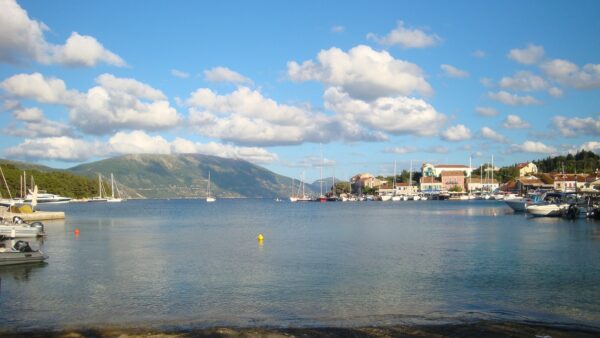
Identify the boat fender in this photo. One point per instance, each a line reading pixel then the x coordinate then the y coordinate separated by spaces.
pixel 39 225
pixel 22 246
pixel 17 220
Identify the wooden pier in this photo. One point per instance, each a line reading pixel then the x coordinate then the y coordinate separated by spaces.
pixel 34 216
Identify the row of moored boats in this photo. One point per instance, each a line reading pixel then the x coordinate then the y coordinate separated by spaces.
pixel 558 204
pixel 13 249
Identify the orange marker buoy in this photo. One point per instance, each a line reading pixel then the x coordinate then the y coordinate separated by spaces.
pixel 76 231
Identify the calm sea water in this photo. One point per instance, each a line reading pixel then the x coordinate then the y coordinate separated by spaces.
pixel 186 263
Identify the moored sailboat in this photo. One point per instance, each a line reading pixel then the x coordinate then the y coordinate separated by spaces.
pixel 209 198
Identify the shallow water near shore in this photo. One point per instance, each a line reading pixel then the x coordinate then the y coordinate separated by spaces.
pixel 186 263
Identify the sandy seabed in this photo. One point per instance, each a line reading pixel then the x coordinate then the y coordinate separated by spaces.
pixel 476 329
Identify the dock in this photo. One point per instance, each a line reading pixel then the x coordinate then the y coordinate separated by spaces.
pixel 34 216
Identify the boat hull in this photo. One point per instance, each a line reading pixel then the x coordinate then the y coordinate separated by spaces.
pixel 518 205
pixel 17 257
pixel 19 231
pixel 545 210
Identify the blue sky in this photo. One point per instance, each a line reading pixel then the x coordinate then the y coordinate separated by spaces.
pixel 279 83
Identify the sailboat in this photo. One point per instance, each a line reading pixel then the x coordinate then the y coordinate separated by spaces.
pixel 322 198
pixel 301 195
pixel 99 198
pixel 209 198
pixel 112 188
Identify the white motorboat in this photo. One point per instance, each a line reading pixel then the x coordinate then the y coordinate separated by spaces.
pixel 396 198
pixel 518 204
pixel 46 198
pixel 552 205
pixel 20 253
pixel 546 210
pixel 7 202
pixel 18 229
pixel 385 198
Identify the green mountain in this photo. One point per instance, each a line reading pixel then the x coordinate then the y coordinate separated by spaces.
pixel 185 175
pixel 27 166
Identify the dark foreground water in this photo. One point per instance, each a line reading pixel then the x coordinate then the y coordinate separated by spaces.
pixel 186 263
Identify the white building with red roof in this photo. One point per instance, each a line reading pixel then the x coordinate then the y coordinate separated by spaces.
pixel 428 169
pixel 527 168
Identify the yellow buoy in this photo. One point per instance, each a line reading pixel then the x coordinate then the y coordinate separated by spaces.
pixel 260 237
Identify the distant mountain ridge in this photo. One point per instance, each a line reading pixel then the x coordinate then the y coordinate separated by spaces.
pixel 185 176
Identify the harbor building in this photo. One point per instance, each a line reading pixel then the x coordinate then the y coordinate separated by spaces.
pixel 428 169
pixel 527 168
pixel 430 184
pixel 453 180
pixel 360 181
pixel 569 182
pixel 476 184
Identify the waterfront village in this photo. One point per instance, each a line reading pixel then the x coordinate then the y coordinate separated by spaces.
pixel 457 181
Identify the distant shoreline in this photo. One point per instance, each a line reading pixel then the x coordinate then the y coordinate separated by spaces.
pixel 472 329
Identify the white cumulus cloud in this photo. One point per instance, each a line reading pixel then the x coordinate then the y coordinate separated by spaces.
pixel 555 91
pixel 486 111
pixel 569 74
pixel 103 111
pixel 456 133
pixel 138 142
pixel 490 134
pixel 224 74
pixel 524 81
pixel 363 73
pixel 452 71
pixel 532 54
pixel 22 40
pixel 29 114
pixel 31 123
pixel 574 126
pixel 400 150
pixel 84 51
pixel 246 116
pixel 63 148
pixel 396 115
pixel 591 146
pixel 513 99
pixel 533 147
pixel 406 37
pixel 129 86
pixel 180 74
pixel 514 122
pixel 39 88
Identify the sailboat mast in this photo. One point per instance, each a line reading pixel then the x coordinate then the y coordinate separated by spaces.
pixel 112 185
pixel 333 183
pixel 303 184
pixel 491 184
pixel 24 182
pixel 470 171
pixel 394 180
pixel 410 177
